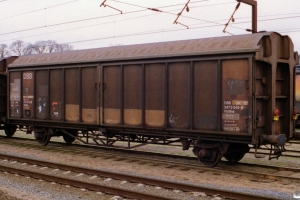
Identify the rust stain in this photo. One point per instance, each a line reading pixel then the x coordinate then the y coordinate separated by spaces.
pixel 112 116
pixel 72 112
pixel 155 118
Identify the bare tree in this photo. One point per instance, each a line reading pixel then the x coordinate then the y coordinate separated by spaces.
pixel 4 51
pixel 51 46
pixel 21 48
pixel 28 49
pixel 40 47
pixel 17 47
pixel 63 47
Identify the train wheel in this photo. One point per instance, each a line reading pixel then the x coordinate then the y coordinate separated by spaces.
pixel 236 152
pixel 69 139
pixel 208 156
pixel 10 129
pixel 235 157
pixel 43 138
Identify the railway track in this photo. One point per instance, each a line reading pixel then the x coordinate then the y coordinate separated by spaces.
pixel 113 175
pixel 169 160
pixel 262 151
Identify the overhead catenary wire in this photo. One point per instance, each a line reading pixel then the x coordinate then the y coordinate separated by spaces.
pixel 87 19
pixel 169 12
pixel 112 15
pixel 105 5
pixel 41 9
pixel 146 33
pixel 180 13
pixel 64 23
pixel 194 27
pixel 160 31
pixel 231 18
pixel 131 18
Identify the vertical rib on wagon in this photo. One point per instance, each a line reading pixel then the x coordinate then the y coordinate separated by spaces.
pixel 274 92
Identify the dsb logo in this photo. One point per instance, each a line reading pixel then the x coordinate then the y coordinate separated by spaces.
pixel 27 75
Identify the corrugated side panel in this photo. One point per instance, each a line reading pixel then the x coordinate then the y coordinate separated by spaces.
pixel 263 87
pixel 178 95
pixel 112 95
pixel 133 95
pixel 89 95
pixel 155 85
pixel 72 94
pixel 42 101
pixel 235 76
pixel 15 95
pixel 205 95
pixel 297 95
pixel 3 96
pixel 297 92
pixel 28 94
pixel 56 94
pixel 282 97
pixel 179 90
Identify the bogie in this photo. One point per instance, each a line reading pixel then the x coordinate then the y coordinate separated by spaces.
pixel 10 129
pixel 70 135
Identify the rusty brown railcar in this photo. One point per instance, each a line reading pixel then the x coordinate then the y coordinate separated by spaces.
pixel 9 128
pixel 217 94
pixel 297 95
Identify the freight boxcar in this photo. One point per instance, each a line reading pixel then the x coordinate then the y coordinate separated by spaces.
pixel 3 95
pixel 217 94
pixel 297 93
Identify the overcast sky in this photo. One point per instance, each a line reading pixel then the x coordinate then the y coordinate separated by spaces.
pixel 84 24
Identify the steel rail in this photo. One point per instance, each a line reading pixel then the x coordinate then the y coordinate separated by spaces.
pixel 126 149
pixel 115 176
pixel 93 149
pixel 174 145
pixel 121 176
pixel 198 165
pixel 81 184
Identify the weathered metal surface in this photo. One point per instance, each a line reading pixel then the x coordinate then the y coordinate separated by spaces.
pixel 205 46
pixel 15 94
pixel 132 94
pixel 297 92
pixel 178 95
pixel 155 98
pixel 28 94
pixel 297 83
pixel 3 96
pixel 277 140
pixel 112 95
pixel 3 86
pixel 57 94
pixel 89 95
pixel 205 110
pixel 235 101
pixel 41 98
pixel 72 94
pixel 4 62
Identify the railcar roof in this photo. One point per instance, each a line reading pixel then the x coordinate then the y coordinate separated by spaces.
pixel 205 46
